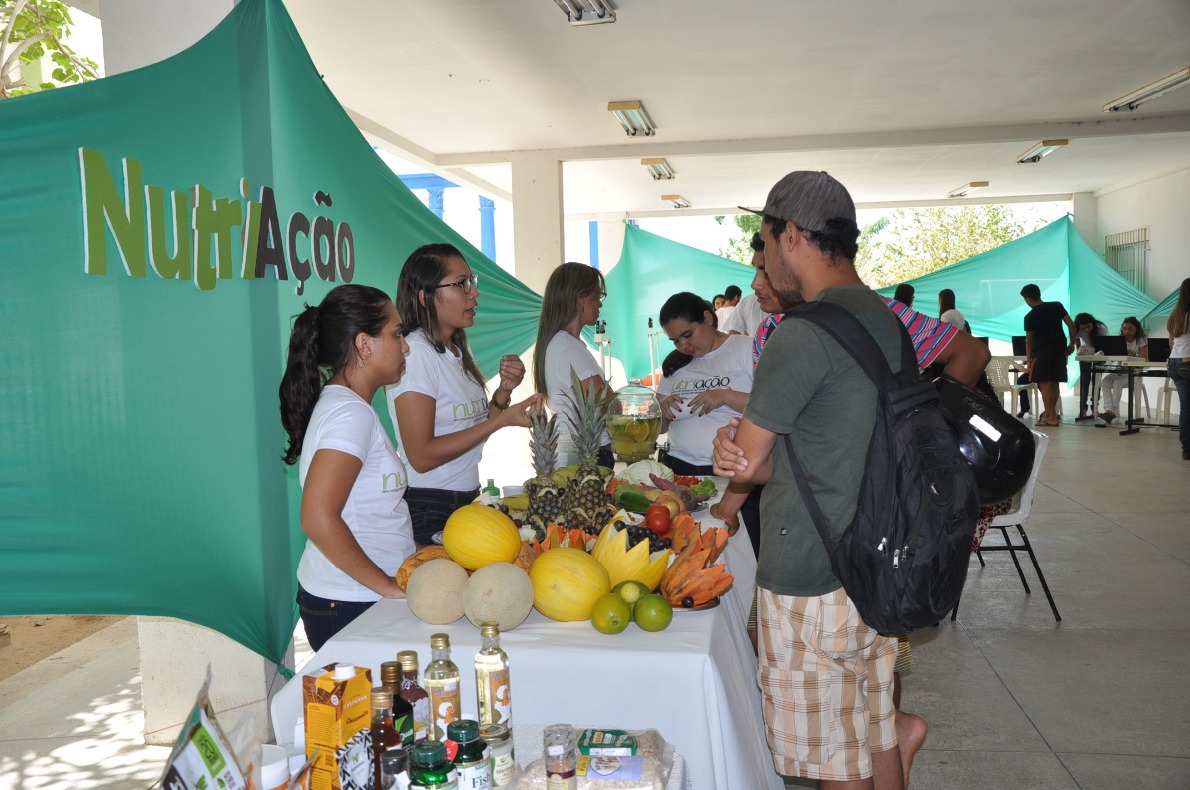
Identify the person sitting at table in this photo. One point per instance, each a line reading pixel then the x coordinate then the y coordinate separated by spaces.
pixel 1087 328
pixel 353 510
pixel 1178 366
pixel 440 406
pixel 1112 384
pixel 573 296
pixel 947 312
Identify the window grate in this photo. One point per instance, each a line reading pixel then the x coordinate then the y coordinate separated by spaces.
pixel 1128 254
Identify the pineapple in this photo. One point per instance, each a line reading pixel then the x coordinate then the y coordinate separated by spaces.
pixel 586 502
pixel 545 497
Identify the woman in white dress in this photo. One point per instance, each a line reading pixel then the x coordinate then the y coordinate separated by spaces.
pixel 573 296
pixel 440 407
pixel 353 482
pixel 947 313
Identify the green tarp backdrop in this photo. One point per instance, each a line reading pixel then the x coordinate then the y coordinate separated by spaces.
pixel 988 287
pixel 160 228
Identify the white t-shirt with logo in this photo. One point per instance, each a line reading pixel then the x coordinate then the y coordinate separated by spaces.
pixel 459 403
pixel 565 353
pixel 375 510
pixel 728 366
pixel 745 318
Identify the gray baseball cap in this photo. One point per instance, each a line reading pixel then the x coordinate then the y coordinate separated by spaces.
pixel 808 198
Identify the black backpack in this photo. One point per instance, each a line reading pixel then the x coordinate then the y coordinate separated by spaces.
pixel 903 559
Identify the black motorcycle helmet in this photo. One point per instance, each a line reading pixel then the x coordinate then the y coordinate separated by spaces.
pixel 999 447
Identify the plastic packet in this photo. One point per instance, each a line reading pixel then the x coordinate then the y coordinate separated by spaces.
pixel 650 765
pixel 204 756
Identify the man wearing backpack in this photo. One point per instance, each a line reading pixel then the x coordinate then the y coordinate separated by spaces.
pixel 825 676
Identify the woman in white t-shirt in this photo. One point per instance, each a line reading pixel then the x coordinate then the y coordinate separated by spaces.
pixel 573 296
pixel 705 382
pixel 440 407
pixel 1178 366
pixel 353 482
pixel 1111 386
pixel 947 313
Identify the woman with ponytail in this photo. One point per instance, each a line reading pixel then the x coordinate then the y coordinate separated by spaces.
pixel 353 482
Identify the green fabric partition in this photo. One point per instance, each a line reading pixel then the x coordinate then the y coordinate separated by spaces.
pixel 987 287
pixel 650 270
pixel 142 439
pixel 1162 310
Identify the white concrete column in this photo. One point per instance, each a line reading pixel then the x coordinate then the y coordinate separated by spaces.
pixel 536 218
pixel 173 654
pixel 1085 207
pixel 611 242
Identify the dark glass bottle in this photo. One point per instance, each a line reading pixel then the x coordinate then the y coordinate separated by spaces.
pixel 473 758
pixel 429 769
pixel 384 737
pixel 390 678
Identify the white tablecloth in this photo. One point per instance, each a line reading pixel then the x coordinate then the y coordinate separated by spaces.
pixel 695 682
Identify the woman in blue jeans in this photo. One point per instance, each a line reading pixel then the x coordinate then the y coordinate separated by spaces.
pixel 1179 361
pixel 354 516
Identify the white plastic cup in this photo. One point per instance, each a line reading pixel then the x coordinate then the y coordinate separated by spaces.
pixel 274 767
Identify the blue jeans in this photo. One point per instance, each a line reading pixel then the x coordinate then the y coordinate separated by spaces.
pixel 323 618
pixel 1179 374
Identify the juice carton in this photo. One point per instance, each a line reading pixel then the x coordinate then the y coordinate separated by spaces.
pixel 337 703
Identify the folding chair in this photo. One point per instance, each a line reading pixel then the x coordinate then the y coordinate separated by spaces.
pixel 1022 505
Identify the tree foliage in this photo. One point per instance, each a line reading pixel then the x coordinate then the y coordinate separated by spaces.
pixel 31 30
pixel 739 248
pixel 913 242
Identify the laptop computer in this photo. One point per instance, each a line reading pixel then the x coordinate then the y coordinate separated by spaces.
pixel 1018 345
pixel 1158 349
pixel 1110 345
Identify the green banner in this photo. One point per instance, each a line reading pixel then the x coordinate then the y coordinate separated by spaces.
pixel 161 228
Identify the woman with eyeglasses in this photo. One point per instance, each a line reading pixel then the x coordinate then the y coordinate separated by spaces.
pixel 573 296
pixel 440 407
pixel 353 515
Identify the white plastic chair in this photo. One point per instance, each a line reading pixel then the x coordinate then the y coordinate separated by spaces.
pixel 1022 505
pixel 1000 375
pixel 1164 414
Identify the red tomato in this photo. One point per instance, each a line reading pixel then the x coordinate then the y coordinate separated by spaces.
pixel 657 519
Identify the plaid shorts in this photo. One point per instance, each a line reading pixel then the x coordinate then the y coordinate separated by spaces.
pixel 826 682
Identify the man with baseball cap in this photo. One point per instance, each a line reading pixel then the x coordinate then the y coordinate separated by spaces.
pixel 825 676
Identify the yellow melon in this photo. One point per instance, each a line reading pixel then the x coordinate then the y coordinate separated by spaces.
pixel 435 591
pixel 477 535
pixel 499 593
pixel 566 583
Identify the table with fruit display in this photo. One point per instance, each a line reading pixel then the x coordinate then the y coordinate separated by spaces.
pixel 621 603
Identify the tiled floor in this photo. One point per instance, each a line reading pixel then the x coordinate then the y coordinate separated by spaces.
pixel 1100 701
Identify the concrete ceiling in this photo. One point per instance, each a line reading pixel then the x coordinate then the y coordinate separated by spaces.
pixel 902 100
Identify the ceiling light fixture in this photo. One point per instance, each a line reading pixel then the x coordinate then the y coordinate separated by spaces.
pixel 587 12
pixel 658 168
pixel 966 189
pixel 1044 148
pixel 677 200
pixel 1150 91
pixel 633 116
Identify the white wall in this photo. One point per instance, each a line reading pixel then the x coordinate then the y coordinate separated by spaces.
pixel 1162 204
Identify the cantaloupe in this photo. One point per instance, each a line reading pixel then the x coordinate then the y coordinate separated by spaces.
pixel 435 591
pixel 499 593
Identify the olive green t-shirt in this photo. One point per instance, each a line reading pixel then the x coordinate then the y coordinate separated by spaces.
pixel 808 387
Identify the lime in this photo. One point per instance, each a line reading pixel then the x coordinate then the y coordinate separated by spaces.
pixel 653 613
pixel 631 591
pixel 610 614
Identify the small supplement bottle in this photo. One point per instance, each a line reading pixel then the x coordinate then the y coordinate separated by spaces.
pixel 472 759
pixel 429 768
pixel 499 740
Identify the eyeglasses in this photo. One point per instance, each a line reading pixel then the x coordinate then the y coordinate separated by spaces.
pixel 601 295
pixel 466 285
